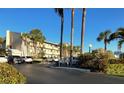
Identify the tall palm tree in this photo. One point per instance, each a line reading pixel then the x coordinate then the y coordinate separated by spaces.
pixel 105 37
pixel 118 35
pixel 60 12
pixel 72 32
pixel 83 29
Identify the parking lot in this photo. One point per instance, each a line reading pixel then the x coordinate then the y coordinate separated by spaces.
pixel 43 74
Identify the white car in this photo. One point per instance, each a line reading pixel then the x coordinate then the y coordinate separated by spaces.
pixel 3 59
pixel 27 59
pixel 55 59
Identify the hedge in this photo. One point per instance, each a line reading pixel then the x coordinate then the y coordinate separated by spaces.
pixel 115 69
pixel 9 75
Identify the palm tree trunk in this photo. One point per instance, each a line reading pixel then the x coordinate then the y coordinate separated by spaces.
pixel 105 42
pixel 61 38
pixel 72 32
pixel 83 29
pixel 105 47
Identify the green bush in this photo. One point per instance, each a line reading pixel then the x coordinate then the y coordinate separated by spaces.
pixel 115 69
pixel 86 57
pixel 121 56
pixel 2 52
pixel 97 60
pixel 9 75
pixel 102 54
pixel 116 61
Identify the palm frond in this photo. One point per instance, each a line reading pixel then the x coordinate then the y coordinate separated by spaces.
pixel 101 36
pixel 113 36
pixel 60 11
pixel 107 32
pixel 120 42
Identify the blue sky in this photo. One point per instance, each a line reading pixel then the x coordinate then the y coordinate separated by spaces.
pixel 97 20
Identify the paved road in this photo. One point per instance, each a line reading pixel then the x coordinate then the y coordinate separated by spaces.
pixel 40 74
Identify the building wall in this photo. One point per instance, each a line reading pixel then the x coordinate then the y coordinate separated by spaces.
pixel 51 50
pixel 25 47
pixel 14 42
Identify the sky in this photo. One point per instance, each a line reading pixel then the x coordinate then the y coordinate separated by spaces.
pixel 97 20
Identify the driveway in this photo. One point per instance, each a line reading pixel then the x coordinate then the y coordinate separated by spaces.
pixel 42 74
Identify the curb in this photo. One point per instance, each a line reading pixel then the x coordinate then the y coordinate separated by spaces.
pixel 69 68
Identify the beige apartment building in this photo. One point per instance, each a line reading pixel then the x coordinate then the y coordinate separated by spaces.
pixel 51 50
pixel 25 47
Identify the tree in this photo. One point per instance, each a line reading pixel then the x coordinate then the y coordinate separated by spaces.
pixel 72 32
pixel 1 41
pixel 36 36
pixel 83 29
pixel 25 38
pixel 76 50
pixel 105 37
pixel 66 50
pixel 118 35
pixel 60 12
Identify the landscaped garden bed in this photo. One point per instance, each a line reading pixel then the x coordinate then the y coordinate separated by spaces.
pixel 115 69
pixel 102 61
pixel 10 75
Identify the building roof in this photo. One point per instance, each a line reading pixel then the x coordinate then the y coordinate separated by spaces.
pixel 51 43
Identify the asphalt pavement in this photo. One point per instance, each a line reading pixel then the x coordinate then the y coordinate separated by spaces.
pixel 42 74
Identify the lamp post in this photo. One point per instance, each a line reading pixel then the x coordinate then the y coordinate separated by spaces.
pixel 90 47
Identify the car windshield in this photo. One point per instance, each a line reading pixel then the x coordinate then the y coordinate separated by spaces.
pixel 28 57
pixel 16 56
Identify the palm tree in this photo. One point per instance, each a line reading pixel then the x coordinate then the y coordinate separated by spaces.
pixel 76 50
pixel 105 37
pixel 83 29
pixel 65 50
pixel 36 36
pixel 72 32
pixel 120 42
pixel 60 12
pixel 118 35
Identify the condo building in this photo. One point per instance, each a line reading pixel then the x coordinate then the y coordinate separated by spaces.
pixel 25 47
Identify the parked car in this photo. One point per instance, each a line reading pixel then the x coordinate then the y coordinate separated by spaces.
pixel 27 59
pixel 49 59
pixel 55 59
pixel 17 59
pixel 66 61
pixel 75 61
pixel 3 59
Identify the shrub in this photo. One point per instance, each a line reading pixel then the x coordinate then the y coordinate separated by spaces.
pixel 86 57
pixel 9 75
pixel 121 56
pixel 115 69
pixel 2 52
pixel 116 61
pixel 102 54
pixel 97 60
